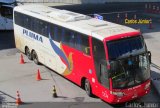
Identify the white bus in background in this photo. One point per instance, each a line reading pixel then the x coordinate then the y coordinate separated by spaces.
pixel 6 14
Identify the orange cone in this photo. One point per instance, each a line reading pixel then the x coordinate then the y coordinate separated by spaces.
pixel 18 99
pixel 21 59
pixel 38 77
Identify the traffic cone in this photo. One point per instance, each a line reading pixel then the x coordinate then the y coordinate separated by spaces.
pixel 21 59
pixel 38 76
pixel 126 16
pixel 18 99
pixel 118 16
pixel 135 17
pixel 150 24
pixel 54 92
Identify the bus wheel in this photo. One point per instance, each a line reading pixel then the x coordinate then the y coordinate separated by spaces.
pixel 88 88
pixel 28 54
pixel 35 57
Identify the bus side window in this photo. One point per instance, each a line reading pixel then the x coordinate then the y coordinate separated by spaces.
pixel 43 28
pixel 78 42
pixel 18 18
pixel 57 34
pixel 67 37
pixel 27 22
pixel 51 30
pixel 85 44
pixel 34 24
pixel 72 40
pixel 63 35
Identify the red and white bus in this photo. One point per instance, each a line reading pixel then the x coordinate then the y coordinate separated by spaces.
pixel 108 60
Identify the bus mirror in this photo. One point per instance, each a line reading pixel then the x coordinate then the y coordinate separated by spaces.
pixel 87 50
pixel 149 55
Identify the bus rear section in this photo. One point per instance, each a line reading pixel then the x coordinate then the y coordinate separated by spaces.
pixel 122 67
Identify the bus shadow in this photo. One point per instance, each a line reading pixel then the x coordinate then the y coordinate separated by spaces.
pixel 93 96
pixel 7 40
pixel 2 94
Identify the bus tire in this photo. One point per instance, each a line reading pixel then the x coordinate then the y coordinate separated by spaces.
pixel 35 57
pixel 87 87
pixel 28 54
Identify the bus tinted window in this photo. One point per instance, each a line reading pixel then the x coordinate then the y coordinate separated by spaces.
pixel 18 18
pixel 57 33
pixel 42 27
pixel 72 39
pixel 65 36
pixel 78 42
pixel 26 21
pixel 34 25
pixel 85 44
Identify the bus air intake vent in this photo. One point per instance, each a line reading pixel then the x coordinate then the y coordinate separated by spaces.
pixel 97 23
pixel 67 16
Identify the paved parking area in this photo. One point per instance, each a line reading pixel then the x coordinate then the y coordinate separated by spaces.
pixel 22 77
pixel 14 76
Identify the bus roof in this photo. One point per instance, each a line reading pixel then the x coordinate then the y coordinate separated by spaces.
pixel 78 22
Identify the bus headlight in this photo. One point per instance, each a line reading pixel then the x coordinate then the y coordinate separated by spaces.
pixel 119 94
pixel 147 86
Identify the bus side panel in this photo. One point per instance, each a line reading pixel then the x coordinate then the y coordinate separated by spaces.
pixel 82 65
pixel 52 59
pixel 19 40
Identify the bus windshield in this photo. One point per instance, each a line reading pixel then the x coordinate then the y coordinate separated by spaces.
pixel 125 47
pixel 129 62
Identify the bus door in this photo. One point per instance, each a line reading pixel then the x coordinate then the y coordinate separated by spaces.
pixel 6 17
pixel 100 62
